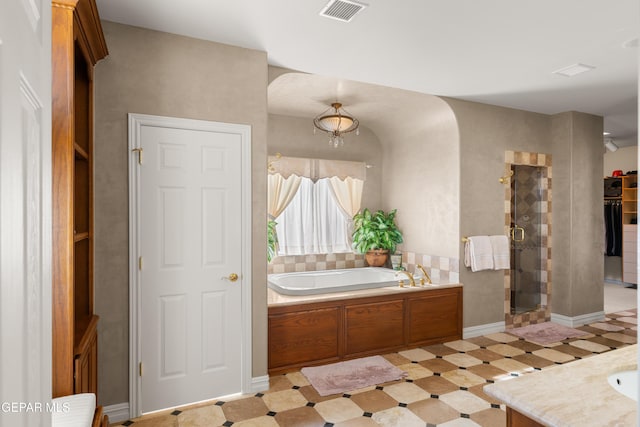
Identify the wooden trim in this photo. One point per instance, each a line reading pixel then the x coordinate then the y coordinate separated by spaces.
pixel 99 418
pixel 516 419
pixel 90 28
pixel 85 335
pixel 62 182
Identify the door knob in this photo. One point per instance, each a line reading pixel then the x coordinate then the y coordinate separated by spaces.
pixel 232 277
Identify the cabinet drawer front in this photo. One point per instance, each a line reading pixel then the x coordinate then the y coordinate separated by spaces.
pixel 301 337
pixel 373 326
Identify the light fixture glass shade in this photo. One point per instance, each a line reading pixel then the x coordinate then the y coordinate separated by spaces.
pixel 336 122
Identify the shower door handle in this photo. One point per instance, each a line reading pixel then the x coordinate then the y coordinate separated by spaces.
pixel 516 229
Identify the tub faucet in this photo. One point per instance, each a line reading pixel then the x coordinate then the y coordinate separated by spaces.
pixel 409 275
pixel 425 276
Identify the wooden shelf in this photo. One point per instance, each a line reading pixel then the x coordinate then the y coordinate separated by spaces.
pixel 629 234
pixel 80 236
pixel 83 331
pixel 80 152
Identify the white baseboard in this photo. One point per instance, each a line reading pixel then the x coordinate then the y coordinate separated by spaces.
pixel 259 384
pixel 118 412
pixel 580 320
pixel 486 329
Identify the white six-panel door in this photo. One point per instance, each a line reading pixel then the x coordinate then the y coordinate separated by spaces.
pixel 25 211
pixel 190 248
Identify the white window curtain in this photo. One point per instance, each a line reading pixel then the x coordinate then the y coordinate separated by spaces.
pixel 280 192
pixel 348 193
pixel 313 222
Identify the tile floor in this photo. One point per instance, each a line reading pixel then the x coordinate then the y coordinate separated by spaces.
pixel 444 386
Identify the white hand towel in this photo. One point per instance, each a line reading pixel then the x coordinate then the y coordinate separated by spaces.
pixel 467 255
pixel 480 253
pixel 501 252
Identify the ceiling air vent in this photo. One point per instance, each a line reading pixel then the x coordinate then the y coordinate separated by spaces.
pixel 342 10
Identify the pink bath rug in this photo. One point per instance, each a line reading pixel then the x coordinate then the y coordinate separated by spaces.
pixel 352 375
pixel 546 333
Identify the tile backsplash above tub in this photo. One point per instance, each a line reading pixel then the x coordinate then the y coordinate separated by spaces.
pixel 295 263
pixel 441 269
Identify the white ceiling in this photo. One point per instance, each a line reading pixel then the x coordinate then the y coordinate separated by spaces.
pixel 500 52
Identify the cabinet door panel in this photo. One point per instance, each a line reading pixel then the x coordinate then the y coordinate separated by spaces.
pixel 86 367
pixel 374 326
pixel 303 336
pixel 433 317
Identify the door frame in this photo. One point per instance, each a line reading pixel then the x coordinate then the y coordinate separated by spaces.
pixel 543 313
pixel 136 122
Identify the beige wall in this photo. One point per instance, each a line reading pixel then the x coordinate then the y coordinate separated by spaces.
pixel 421 178
pixel 578 238
pixel 486 132
pixel 575 142
pixel 162 74
pixel 624 158
pixel 294 137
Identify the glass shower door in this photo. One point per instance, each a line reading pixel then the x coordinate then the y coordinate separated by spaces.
pixel 526 238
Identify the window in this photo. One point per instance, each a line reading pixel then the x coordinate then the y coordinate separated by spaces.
pixel 313 222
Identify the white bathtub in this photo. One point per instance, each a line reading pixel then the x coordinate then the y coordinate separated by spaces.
pixel 320 282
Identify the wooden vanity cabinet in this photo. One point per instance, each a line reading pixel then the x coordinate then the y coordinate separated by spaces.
pixel 77 44
pixel 323 332
pixel 516 419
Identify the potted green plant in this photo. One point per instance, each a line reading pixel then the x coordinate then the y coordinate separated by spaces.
pixel 272 239
pixel 375 235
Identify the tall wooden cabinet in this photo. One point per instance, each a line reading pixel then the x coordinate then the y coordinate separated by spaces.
pixel 77 45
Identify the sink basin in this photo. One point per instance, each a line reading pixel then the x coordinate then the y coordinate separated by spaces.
pixel 625 382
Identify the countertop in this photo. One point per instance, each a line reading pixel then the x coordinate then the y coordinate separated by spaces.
pixel 574 394
pixel 276 299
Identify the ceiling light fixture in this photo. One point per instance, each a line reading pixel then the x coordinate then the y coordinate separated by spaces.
pixel 611 146
pixel 336 122
pixel 574 70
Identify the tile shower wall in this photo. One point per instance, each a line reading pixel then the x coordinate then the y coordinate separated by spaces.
pixel 441 269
